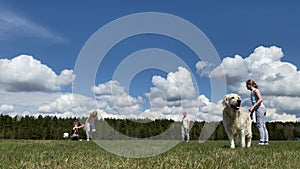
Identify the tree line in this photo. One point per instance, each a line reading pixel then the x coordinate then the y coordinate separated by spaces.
pixel 52 128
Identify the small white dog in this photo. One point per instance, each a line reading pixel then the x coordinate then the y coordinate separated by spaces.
pixel 237 122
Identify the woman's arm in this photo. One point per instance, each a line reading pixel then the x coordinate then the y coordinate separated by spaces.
pixel 87 120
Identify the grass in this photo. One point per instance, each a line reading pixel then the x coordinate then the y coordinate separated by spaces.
pixel 211 154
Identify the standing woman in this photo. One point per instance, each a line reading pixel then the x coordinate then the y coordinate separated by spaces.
pixel 90 124
pixel 260 112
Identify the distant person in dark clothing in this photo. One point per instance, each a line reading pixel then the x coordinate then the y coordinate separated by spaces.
pixel 74 133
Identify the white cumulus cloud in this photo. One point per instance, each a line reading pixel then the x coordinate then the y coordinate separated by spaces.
pixel 69 105
pixel 114 99
pixel 6 108
pixel 175 94
pixel 279 81
pixel 24 73
pixel 177 86
pixel 264 65
pixel 169 98
pixel 273 116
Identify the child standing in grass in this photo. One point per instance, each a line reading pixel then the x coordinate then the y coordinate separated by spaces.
pixel 90 124
pixel 260 112
pixel 74 132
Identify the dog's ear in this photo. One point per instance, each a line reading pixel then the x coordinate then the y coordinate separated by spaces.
pixel 225 101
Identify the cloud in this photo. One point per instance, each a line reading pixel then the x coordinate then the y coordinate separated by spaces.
pixel 204 68
pixel 176 93
pixel 25 103
pixel 170 94
pixel 273 116
pixel 113 98
pixel 264 65
pixel 67 106
pixel 6 108
pixel 24 73
pixel 12 25
pixel 169 98
pixel 278 80
pixel 46 104
pixel 176 87
pixel 70 105
pixel 284 104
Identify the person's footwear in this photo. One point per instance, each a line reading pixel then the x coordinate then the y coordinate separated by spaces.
pixel 266 143
pixel 261 143
pixel 88 139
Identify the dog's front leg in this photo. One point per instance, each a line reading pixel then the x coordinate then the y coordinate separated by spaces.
pixel 231 140
pixel 249 142
pixel 242 135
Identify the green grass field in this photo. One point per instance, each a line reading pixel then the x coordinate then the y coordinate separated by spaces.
pixel 83 154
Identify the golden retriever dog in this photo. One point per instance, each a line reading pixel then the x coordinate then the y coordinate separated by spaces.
pixel 237 122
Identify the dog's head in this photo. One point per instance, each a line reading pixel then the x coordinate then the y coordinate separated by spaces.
pixel 232 101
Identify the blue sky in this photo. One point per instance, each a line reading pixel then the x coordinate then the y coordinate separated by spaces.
pixel 40 43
